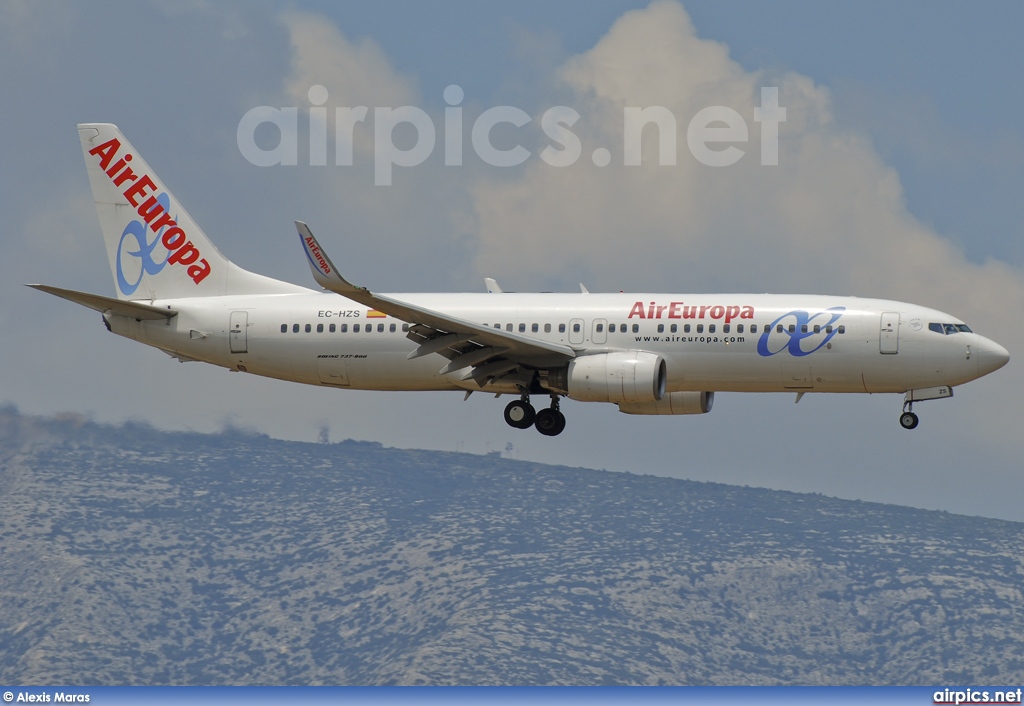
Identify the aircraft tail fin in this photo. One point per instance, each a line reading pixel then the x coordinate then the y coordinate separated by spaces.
pixel 156 250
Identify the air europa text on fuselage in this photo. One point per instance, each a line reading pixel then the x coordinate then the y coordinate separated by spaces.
pixel 180 249
pixel 679 310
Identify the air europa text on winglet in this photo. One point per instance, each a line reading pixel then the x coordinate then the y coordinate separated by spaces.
pixel 180 248
pixel 320 261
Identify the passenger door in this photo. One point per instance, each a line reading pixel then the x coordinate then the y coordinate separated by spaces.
pixel 889 333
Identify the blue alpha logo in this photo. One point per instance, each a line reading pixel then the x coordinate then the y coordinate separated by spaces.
pixel 799 332
pixel 136 232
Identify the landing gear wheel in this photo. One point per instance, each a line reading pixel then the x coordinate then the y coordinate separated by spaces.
pixel 520 414
pixel 550 422
pixel 909 420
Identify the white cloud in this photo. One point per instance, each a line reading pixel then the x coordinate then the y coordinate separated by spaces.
pixel 355 73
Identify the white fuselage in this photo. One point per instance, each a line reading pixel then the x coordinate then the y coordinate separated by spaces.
pixel 709 342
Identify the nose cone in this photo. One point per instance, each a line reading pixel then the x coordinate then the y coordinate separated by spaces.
pixel 991 356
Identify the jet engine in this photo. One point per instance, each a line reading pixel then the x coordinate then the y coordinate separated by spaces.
pixel 626 376
pixel 673 403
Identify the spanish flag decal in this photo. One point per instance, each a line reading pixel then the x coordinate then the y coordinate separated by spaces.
pixel 374 314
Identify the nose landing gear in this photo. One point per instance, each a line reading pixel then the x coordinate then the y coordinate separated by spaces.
pixel 521 415
pixel 908 420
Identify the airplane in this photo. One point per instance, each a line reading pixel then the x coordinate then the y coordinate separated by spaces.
pixel 648 353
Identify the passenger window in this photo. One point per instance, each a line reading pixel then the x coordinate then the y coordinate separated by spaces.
pixel 535 328
pixel 739 328
pixel 295 328
pixel 611 328
pixel 561 328
pixel 842 329
pixel 393 328
pixel 575 328
pixel 828 329
pixel 284 328
pixel 497 326
pixel 522 328
pixel 600 328
pixel 725 328
pixel 405 327
pixel 686 328
pixel 319 328
pixel 636 328
pixel 674 328
pixel 508 327
pixel 792 328
pixel 380 328
pixel 355 328
pixel 547 328
pixel 700 328
pixel 661 328
pixel 309 328
pixel 780 329
pixel 817 328
pixel 711 328
pixel 344 328
pixel 333 328
pixel 803 329
pixel 369 328
pixel 753 328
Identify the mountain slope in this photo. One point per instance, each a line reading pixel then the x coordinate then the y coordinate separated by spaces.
pixel 133 556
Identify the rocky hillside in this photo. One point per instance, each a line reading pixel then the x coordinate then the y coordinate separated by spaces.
pixel 134 556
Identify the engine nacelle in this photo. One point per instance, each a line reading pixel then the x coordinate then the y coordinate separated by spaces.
pixel 626 376
pixel 673 403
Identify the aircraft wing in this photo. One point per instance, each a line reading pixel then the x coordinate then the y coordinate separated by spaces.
pixel 488 352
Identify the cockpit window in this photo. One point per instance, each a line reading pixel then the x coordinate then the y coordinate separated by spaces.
pixel 948 329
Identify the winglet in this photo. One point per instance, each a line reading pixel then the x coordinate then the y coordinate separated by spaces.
pixel 324 271
pixel 492 285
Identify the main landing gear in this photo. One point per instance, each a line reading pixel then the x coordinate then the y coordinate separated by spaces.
pixel 521 415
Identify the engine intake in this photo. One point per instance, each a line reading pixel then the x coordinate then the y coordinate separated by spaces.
pixel 626 376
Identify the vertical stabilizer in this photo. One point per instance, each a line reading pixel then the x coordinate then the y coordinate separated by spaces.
pixel 156 250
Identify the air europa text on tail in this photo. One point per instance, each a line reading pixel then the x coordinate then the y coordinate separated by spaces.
pixel 180 249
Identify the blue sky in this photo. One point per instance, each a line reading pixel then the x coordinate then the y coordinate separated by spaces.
pixel 900 176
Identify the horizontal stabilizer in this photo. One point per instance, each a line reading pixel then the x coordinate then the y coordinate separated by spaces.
pixel 134 310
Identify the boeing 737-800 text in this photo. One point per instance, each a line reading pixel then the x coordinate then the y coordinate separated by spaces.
pixel 646 353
